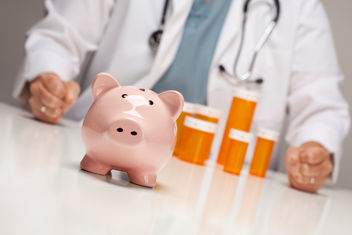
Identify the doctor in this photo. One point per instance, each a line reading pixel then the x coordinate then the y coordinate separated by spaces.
pixel 301 78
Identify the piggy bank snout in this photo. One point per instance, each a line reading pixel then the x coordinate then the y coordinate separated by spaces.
pixel 126 131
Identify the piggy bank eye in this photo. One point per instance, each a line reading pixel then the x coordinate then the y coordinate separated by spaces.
pixel 124 96
pixel 151 102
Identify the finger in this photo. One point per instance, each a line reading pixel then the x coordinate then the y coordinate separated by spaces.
pixel 314 155
pixel 46 98
pixel 53 84
pixel 303 187
pixel 306 180
pixel 72 92
pixel 38 115
pixel 292 159
pixel 42 117
pixel 320 170
pixel 307 187
pixel 49 112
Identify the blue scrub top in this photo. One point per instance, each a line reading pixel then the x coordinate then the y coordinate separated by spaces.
pixel 189 71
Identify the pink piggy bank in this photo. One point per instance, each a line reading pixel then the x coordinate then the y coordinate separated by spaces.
pixel 129 129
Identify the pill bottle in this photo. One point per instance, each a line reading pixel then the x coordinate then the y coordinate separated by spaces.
pixel 208 114
pixel 196 140
pixel 263 149
pixel 189 109
pixel 240 117
pixel 239 141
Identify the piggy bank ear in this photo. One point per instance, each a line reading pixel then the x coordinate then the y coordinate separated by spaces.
pixel 102 83
pixel 174 101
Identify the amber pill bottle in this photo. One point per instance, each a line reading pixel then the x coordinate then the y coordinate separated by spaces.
pixel 263 149
pixel 239 141
pixel 240 118
pixel 208 114
pixel 196 140
pixel 189 109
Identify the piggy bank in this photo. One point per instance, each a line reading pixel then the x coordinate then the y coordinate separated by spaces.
pixel 129 129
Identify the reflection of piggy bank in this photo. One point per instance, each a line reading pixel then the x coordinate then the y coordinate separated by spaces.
pixel 129 129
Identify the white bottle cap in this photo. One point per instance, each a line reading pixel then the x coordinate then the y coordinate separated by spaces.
pixel 189 107
pixel 246 94
pixel 208 111
pixel 267 134
pixel 200 124
pixel 240 135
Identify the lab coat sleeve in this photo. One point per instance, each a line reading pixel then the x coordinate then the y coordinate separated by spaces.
pixel 60 42
pixel 317 110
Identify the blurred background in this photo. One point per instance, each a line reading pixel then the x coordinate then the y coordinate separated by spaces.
pixel 17 16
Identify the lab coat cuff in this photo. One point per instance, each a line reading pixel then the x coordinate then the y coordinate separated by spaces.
pixel 328 137
pixel 40 62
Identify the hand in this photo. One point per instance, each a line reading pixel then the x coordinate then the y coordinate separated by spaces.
pixel 308 166
pixel 51 97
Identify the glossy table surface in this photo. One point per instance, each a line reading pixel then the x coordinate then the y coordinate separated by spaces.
pixel 43 191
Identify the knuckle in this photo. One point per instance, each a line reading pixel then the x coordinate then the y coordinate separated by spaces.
pixel 305 169
pixel 31 100
pixel 72 87
pixel 292 150
pixel 54 76
pixel 69 97
pixel 288 154
pixel 297 178
pixel 320 151
pixel 56 113
pixel 292 155
pixel 33 87
pixel 43 78
pixel 329 166
pixel 54 84
pixel 76 87
pixel 297 185
pixel 50 100
pixel 315 157
pixel 51 112
pixel 66 108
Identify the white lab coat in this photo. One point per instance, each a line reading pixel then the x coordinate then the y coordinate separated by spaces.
pixel 298 63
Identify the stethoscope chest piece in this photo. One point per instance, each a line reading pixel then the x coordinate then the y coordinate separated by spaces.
pixel 155 37
pixel 154 40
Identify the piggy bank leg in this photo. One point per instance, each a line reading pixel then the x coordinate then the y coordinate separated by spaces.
pixel 89 164
pixel 148 180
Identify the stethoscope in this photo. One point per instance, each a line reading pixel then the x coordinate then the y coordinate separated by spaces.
pixel 155 38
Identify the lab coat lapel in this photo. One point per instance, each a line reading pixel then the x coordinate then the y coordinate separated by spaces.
pixel 173 34
pixel 230 30
pixel 170 41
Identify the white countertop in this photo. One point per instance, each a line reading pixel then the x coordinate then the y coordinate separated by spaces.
pixel 43 191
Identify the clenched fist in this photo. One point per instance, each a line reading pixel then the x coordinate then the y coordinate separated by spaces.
pixel 308 166
pixel 50 97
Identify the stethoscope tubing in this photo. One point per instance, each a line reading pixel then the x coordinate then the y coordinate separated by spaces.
pixel 155 38
pixel 263 39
